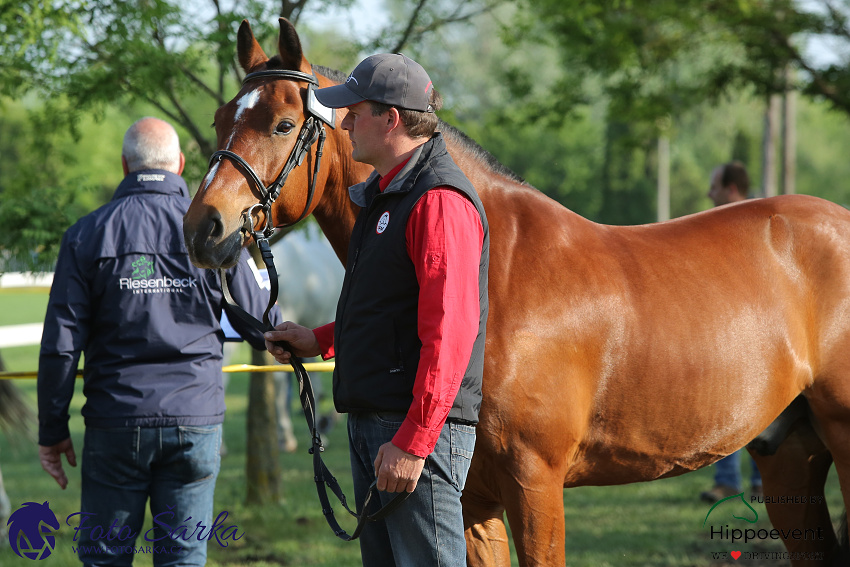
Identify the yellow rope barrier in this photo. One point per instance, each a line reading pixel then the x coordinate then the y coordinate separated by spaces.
pixel 308 366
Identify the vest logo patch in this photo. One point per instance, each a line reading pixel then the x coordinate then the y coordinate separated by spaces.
pixel 383 222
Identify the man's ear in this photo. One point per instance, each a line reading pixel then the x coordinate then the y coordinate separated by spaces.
pixel 124 165
pixel 393 119
pixel 182 164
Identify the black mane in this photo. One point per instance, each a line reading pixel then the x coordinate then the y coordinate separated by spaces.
pixel 478 152
pixel 332 74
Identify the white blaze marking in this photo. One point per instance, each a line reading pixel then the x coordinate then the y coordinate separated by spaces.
pixel 247 101
pixel 211 175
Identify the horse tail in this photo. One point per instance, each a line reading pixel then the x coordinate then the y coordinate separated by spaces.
pixel 15 412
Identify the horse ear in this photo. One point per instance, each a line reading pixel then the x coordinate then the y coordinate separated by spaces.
pixel 249 51
pixel 289 45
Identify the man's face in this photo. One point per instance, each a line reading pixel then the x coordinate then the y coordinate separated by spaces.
pixel 367 133
pixel 717 193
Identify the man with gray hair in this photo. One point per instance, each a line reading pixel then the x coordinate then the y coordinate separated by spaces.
pixel 127 295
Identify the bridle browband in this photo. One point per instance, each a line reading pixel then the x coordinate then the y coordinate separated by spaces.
pixel 313 130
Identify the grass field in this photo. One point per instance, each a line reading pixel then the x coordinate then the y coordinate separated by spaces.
pixel 656 524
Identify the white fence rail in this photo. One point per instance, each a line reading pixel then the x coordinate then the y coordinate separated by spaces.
pixel 28 333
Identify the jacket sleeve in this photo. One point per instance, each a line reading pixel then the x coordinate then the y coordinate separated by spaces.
pixel 253 296
pixel 66 331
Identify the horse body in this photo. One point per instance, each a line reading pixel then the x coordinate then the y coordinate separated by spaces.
pixel 614 354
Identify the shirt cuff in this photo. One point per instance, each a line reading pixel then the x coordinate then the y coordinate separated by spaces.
pixel 325 336
pixel 416 440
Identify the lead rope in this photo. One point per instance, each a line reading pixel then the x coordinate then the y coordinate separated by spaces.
pixel 321 474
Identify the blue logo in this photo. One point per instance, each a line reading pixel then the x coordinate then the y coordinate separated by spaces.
pixel 29 529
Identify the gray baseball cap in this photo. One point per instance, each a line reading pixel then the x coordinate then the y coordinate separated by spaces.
pixel 389 78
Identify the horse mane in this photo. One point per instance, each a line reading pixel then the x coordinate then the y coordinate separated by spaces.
pixel 332 74
pixel 479 153
pixel 460 138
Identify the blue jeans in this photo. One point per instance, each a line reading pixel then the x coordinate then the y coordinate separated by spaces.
pixel 175 467
pixel 427 529
pixel 728 471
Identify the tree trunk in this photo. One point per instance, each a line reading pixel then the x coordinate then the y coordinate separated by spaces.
pixel 789 136
pixel 262 466
pixel 771 133
pixel 663 178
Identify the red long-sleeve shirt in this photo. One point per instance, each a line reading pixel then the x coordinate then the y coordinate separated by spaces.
pixel 444 237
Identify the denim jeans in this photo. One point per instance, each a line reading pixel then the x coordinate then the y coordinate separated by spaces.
pixel 427 529
pixel 728 471
pixel 176 467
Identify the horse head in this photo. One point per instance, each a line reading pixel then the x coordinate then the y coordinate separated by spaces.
pixel 269 140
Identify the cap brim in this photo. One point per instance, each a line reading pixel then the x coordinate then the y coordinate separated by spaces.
pixel 338 96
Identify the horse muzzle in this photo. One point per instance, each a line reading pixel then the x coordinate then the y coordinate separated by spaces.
pixel 208 246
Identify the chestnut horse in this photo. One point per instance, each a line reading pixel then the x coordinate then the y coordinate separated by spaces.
pixel 614 354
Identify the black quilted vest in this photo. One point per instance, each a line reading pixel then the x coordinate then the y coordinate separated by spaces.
pixel 375 339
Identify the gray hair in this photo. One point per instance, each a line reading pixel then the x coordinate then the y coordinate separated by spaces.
pixel 151 143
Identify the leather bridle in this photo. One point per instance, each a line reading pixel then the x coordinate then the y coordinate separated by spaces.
pixel 312 131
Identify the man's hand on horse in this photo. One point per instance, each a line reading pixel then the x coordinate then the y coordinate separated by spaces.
pixel 51 460
pixel 301 341
pixel 397 470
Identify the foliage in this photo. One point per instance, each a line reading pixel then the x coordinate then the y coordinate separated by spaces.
pixel 38 201
pixel 83 59
pixel 662 57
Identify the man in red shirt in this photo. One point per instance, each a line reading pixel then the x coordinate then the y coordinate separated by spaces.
pixel 410 325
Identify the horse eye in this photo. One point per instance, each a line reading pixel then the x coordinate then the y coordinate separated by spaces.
pixel 285 127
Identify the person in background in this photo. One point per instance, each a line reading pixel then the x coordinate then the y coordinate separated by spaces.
pixel 126 295
pixel 409 331
pixel 730 183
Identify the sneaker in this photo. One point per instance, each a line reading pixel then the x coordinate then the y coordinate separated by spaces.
pixel 719 492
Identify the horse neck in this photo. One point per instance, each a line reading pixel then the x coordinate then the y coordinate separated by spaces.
pixel 335 212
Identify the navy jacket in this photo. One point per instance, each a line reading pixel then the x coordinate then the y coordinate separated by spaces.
pixel 126 294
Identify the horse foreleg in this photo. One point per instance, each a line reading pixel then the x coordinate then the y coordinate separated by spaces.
pixel 483 515
pixel 486 537
pixel 534 502
pixel 794 479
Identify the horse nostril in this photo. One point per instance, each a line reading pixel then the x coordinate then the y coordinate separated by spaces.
pixel 216 227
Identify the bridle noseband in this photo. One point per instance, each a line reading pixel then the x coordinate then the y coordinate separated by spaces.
pixel 312 130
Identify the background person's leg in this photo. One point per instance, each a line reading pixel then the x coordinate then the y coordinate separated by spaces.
pixel 182 495
pixel 115 483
